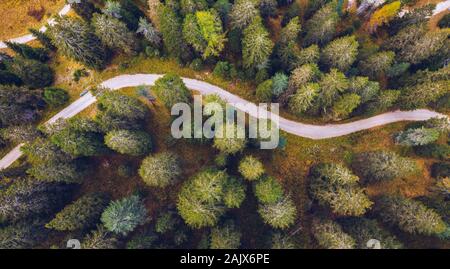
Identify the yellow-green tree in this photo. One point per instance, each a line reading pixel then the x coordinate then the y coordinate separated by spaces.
pixel 384 15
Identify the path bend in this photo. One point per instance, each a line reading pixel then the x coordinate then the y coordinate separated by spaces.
pixel 297 128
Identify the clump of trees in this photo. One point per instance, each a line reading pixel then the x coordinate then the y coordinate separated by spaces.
pixel 201 201
pixel 377 166
pixel 409 215
pixel 335 186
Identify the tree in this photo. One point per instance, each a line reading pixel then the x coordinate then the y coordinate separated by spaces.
pixel 383 101
pixel 269 190
pixel 77 40
pixel 362 230
pixel 9 78
pixel 26 197
pixel 340 53
pixel 279 215
pixel 243 13
pixel 309 55
pixel 234 193
pixel 335 186
pixel 417 136
pixel 122 106
pixel 410 216
pixel 79 137
pixel 228 138
pixel 99 239
pixel 171 90
pixel 123 216
pixel 299 76
pixel 28 52
pixel 303 99
pixel 192 6
pixel 114 34
pixel 225 237
pixel 19 105
pixel 22 235
pixel 382 165
pixel 345 105
pixel 55 96
pixel 171 30
pixel 256 44
pixel 81 214
pixel 280 84
pixel 134 143
pixel 331 86
pixel 67 172
pixel 201 199
pixel 330 235
pixel 251 168
pixel 268 8
pixel 160 170
pixel 203 31
pixel 150 33
pixel 20 133
pixel 367 90
pixel 264 91
pixel 384 15
pixel 377 64
pixel 416 43
pixel 287 48
pixel 45 40
pixel 84 9
pixel 31 72
pixel 282 241
pixel 322 26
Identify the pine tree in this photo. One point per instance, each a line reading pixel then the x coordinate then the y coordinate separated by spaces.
pixel 150 33
pixel 225 237
pixel 45 40
pixel 377 64
pixel 160 170
pixel 76 40
pixel 81 214
pixel 171 30
pixel 32 73
pixel 384 15
pixel 203 30
pixel 114 34
pixel 84 8
pixel 279 215
pixel 329 235
pixel 410 216
pixel 322 26
pixel 251 168
pixel 243 13
pixel 134 143
pixel 256 44
pixel 123 216
pixel 28 52
pixel 340 53
pixel 303 99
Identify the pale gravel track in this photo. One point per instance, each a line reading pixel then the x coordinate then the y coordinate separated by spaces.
pixel 289 126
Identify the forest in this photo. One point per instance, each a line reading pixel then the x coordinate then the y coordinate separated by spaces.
pixel 113 176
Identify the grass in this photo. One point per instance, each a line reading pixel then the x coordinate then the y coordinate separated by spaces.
pixel 17 15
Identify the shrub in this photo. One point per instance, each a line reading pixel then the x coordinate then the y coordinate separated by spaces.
pixel 170 89
pixel 436 151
